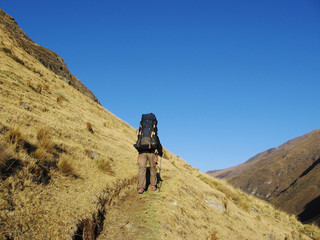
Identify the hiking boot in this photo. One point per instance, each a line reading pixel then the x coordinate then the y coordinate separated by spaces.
pixel 141 190
pixel 153 188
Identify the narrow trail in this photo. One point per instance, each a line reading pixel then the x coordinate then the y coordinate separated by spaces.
pixel 134 216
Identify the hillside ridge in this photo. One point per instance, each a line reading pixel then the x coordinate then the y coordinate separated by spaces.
pixel 286 176
pixel 46 57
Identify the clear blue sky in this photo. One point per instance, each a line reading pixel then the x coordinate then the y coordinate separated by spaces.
pixel 226 79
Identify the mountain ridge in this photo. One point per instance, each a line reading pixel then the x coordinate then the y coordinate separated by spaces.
pixel 46 57
pixel 292 163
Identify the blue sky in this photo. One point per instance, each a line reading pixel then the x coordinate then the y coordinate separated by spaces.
pixel 226 79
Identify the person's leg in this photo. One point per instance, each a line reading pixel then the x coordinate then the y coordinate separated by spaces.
pixel 153 170
pixel 142 171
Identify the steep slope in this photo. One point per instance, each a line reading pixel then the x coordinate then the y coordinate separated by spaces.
pixel 68 171
pixel 48 58
pixel 288 176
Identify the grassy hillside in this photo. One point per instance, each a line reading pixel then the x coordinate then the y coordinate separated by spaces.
pixel 287 176
pixel 68 171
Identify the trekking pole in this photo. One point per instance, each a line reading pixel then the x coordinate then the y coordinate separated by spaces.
pixel 160 174
pixel 138 177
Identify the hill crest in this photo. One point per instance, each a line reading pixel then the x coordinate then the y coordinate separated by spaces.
pixel 46 57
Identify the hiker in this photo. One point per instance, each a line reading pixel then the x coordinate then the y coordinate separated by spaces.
pixel 149 147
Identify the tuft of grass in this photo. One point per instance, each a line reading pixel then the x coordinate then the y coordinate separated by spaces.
pixel 44 140
pixel 65 167
pixel 39 88
pixel 213 236
pixel 104 165
pixel 14 136
pixel 173 163
pixel 29 84
pixel 41 154
pixel 42 134
pixel 89 127
pixel 60 100
pixel 46 87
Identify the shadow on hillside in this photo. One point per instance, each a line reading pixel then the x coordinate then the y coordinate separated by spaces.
pixel 12 165
pixel 311 212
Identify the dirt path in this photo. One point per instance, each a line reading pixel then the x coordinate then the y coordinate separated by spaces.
pixel 133 216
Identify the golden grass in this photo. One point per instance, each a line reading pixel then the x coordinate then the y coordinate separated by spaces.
pixel 41 154
pixel 238 197
pixel 44 140
pixel 213 236
pixel 104 165
pixel 14 136
pixel 60 99
pixel 311 230
pixel 89 127
pixel 42 134
pixel 66 167
pixel 39 88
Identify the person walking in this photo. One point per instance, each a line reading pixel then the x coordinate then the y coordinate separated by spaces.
pixel 149 148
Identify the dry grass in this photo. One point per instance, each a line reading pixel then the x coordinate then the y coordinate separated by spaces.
pixel 29 83
pixel 104 165
pixel 14 136
pixel 66 167
pixel 243 200
pixel 213 236
pixel 44 140
pixel 39 88
pixel 89 127
pixel 41 154
pixel 60 99
pixel 46 87
pixel 311 230
pixel 42 134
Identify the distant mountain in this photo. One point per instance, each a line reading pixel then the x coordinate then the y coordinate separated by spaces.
pixel 287 176
pixel 48 58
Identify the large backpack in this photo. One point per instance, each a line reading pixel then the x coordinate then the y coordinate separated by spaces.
pixel 147 136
